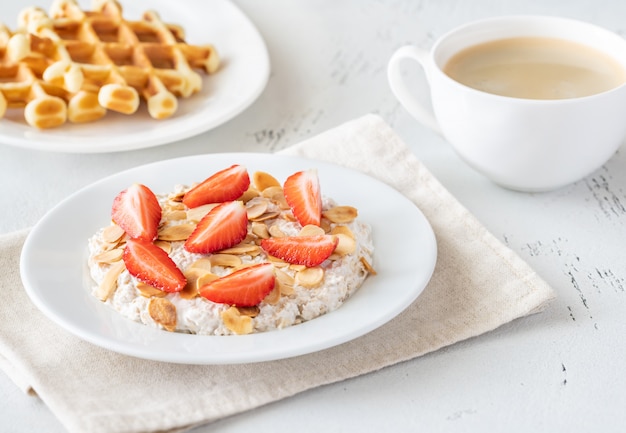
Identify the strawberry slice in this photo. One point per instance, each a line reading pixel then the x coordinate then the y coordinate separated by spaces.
pixel 223 227
pixel 137 211
pixel 302 192
pixel 301 250
pixel 243 288
pixel 226 185
pixel 151 265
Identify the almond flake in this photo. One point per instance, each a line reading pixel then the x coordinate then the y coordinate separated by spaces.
pixel 344 230
pixel 345 246
pixel 164 245
pixel 205 279
pixel 163 312
pixel 225 260
pixel 273 192
pixel 310 277
pixel 202 263
pixel 252 311
pixel 149 291
pixel 178 232
pixel 192 275
pixel 266 216
pixel 109 283
pixel 112 234
pixel 197 213
pixel 276 232
pixel 260 230
pixel 311 230
pixel 263 180
pixel 256 208
pixel 109 256
pixel 368 267
pixel 341 214
pixel 236 322
pixel 273 297
pixel 249 194
pixel 242 249
pixel 175 215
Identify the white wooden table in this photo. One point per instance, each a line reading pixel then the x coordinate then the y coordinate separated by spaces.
pixel 562 370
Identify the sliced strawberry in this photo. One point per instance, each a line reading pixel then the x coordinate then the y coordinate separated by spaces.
pixel 243 288
pixel 151 265
pixel 137 211
pixel 226 185
pixel 302 192
pixel 301 250
pixel 223 227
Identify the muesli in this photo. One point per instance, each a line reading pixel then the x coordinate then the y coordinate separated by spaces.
pixel 234 254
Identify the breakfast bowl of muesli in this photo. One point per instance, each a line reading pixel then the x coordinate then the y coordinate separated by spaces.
pixel 228 258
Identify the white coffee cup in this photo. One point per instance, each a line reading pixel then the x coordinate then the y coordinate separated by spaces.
pixel 521 144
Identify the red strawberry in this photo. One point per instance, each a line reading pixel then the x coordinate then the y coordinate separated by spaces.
pixel 223 227
pixel 243 288
pixel 226 185
pixel 301 250
pixel 302 192
pixel 151 265
pixel 137 211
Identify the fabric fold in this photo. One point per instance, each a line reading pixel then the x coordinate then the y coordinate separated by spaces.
pixel 478 285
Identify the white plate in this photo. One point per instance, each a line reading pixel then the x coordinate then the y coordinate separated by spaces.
pixel 54 271
pixel 241 79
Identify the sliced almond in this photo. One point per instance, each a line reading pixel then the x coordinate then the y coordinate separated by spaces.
pixel 176 197
pixel 285 282
pixel 178 232
pixel 202 263
pixel 266 216
pixel 249 311
pixel 310 277
pixel 368 267
pixel 163 312
pixel 260 230
pixel 256 208
pixel 344 230
pixel 345 246
pixel 149 291
pixel 272 191
pixel 175 215
pixel 108 285
pixel 311 230
pixel 276 232
pixel 236 322
pixel 112 234
pixel 205 279
pixel 225 260
pixel 164 245
pixel 197 213
pixel 192 275
pixel 274 296
pixel 109 256
pixel 263 180
pixel 341 214
pixel 242 249
pixel 174 205
pixel 249 195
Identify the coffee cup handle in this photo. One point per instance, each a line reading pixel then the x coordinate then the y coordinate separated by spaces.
pixel 401 90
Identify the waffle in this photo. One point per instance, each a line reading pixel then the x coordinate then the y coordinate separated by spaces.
pixel 94 61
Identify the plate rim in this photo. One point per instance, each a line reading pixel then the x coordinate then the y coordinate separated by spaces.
pixel 140 351
pixel 64 142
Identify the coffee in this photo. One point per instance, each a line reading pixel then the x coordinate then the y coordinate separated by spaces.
pixel 535 68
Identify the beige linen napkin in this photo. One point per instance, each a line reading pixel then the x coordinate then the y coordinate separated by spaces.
pixel 478 285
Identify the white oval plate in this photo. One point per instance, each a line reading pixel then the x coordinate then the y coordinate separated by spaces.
pixel 241 79
pixel 54 269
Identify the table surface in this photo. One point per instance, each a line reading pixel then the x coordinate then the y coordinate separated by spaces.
pixel 561 370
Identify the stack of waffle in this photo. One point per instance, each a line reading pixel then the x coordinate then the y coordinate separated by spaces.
pixel 74 65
